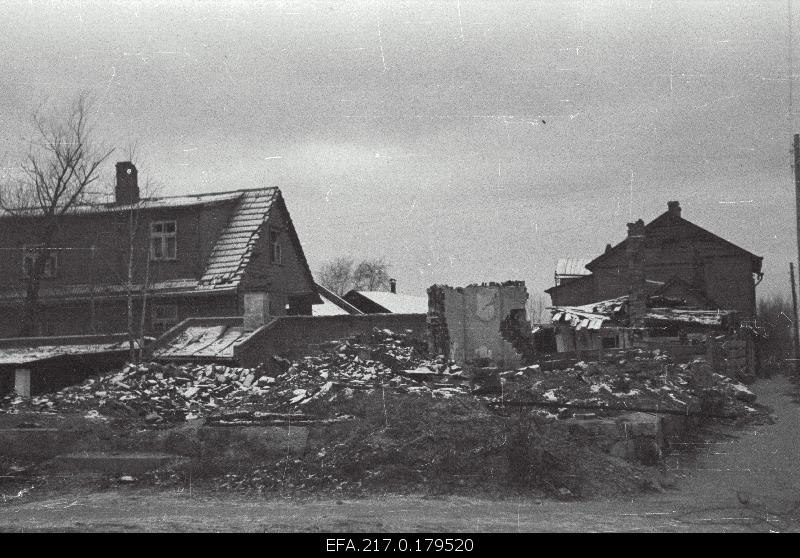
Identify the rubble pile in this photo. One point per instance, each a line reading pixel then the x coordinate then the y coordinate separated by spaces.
pixel 396 418
pixel 645 380
pixel 161 392
pixel 387 361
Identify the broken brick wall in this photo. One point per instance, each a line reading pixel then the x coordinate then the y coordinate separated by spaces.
pixel 438 333
pixel 473 318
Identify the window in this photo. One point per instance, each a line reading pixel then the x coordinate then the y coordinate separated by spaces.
pixel 163 237
pixel 29 254
pixel 163 317
pixel 275 247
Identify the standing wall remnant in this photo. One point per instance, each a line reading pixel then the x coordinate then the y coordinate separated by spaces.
pixel 476 323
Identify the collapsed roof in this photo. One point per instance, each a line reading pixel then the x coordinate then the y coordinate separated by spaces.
pixel 614 313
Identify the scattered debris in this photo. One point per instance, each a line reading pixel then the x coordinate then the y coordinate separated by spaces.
pixel 166 393
pixel 163 393
pixel 395 417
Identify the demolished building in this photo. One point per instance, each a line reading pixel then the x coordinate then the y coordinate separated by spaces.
pixel 35 365
pixel 675 258
pixel 611 324
pixel 486 322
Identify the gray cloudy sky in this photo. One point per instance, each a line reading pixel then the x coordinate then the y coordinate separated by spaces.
pixel 464 141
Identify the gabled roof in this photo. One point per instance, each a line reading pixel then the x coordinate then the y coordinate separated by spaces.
pixel 296 242
pixel 392 302
pixel 234 247
pixel 171 287
pixel 229 257
pixel 161 202
pixel 669 218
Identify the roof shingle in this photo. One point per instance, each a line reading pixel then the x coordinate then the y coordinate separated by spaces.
pixel 234 247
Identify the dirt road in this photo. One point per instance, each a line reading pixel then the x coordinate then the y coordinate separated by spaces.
pixel 744 481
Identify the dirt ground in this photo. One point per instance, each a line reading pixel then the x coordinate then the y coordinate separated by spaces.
pixel 736 480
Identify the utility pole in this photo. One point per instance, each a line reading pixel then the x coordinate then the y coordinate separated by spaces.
pixel 791 268
pixel 797 188
pixel 795 328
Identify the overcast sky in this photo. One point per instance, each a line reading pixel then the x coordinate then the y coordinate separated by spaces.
pixel 464 141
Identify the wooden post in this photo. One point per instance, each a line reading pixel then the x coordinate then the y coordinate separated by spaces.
pixel 795 328
pixel 797 216
pixel 797 190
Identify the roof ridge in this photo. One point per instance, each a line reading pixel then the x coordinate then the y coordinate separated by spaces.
pixel 658 219
pixel 240 190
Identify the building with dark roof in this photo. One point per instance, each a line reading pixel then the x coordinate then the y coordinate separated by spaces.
pixel 333 304
pixel 670 257
pixel 219 254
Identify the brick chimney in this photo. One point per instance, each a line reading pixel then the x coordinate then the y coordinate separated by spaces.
pixel 127 188
pixel 393 285
pixel 674 208
pixel 637 301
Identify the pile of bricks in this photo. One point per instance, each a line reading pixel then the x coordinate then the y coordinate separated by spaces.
pixel 161 393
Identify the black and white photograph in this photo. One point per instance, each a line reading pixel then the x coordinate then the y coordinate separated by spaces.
pixel 399 274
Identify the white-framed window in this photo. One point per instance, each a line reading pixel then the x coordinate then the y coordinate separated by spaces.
pixel 163 317
pixel 276 257
pixel 29 253
pixel 163 240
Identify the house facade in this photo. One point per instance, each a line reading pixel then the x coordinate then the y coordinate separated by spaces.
pixel 218 254
pixel 670 257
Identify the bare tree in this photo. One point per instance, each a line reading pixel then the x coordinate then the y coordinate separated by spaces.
pixel 134 224
pixel 371 275
pixel 342 274
pixel 776 316
pixel 54 178
pixel 337 275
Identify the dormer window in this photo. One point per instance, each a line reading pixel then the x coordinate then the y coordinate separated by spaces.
pixel 163 240
pixel 275 247
pixel 29 254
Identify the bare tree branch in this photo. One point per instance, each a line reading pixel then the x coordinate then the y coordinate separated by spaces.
pixel 342 274
pixel 337 275
pixel 61 162
pixel 371 275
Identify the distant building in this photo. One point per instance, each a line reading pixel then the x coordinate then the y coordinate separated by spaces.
pixel 218 254
pixel 571 268
pixel 387 302
pixel 669 257
pixel 333 304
